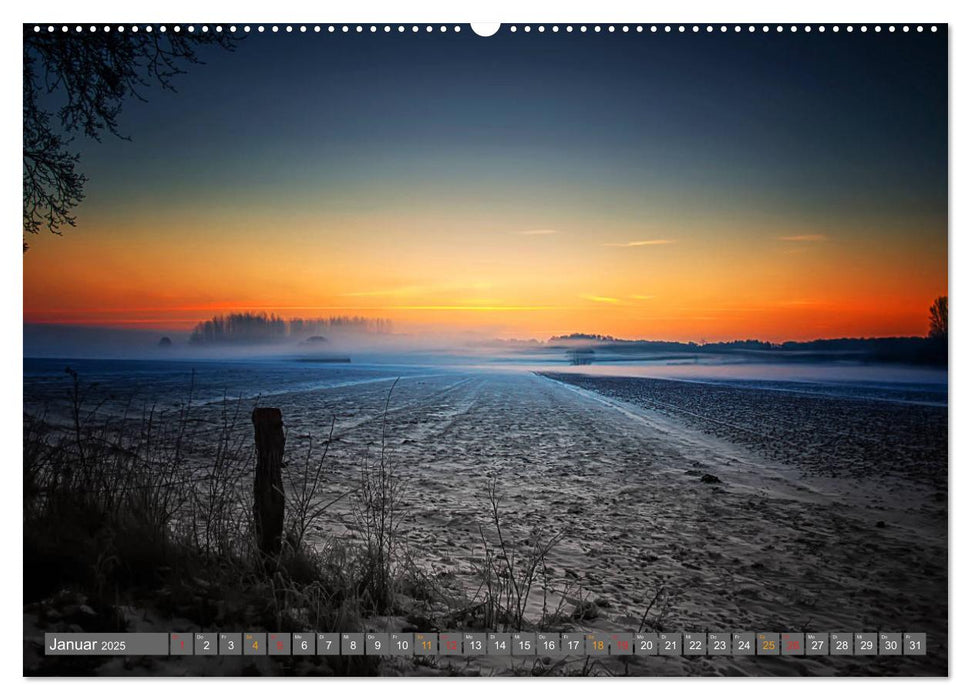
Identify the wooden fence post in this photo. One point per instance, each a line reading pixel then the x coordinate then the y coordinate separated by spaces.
pixel 268 486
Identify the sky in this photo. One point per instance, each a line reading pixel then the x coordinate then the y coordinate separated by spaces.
pixel 662 186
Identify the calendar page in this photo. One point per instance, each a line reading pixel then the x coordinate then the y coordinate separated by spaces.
pixel 525 349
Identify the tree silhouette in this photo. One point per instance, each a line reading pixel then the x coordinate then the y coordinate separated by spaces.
pixel 938 318
pixel 262 327
pixel 91 76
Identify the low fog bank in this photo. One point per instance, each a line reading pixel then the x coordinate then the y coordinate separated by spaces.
pixel 585 349
pixel 339 345
pixel 358 344
pixel 89 342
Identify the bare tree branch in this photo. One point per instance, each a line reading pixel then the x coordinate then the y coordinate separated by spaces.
pixel 90 76
pixel 938 318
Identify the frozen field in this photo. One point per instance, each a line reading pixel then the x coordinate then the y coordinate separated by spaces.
pixel 730 507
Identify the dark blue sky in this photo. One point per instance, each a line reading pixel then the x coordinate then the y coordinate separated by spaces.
pixel 800 122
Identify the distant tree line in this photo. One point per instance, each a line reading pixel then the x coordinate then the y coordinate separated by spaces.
pixel 657 345
pixel 911 350
pixel 582 336
pixel 931 349
pixel 263 328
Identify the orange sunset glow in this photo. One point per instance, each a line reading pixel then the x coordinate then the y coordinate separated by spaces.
pixel 711 285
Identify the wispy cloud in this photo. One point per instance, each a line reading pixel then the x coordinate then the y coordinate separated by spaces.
pixel 601 300
pixel 536 232
pixel 638 244
pixel 397 291
pixel 804 238
pixel 475 307
pixel 799 302
pixel 415 290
